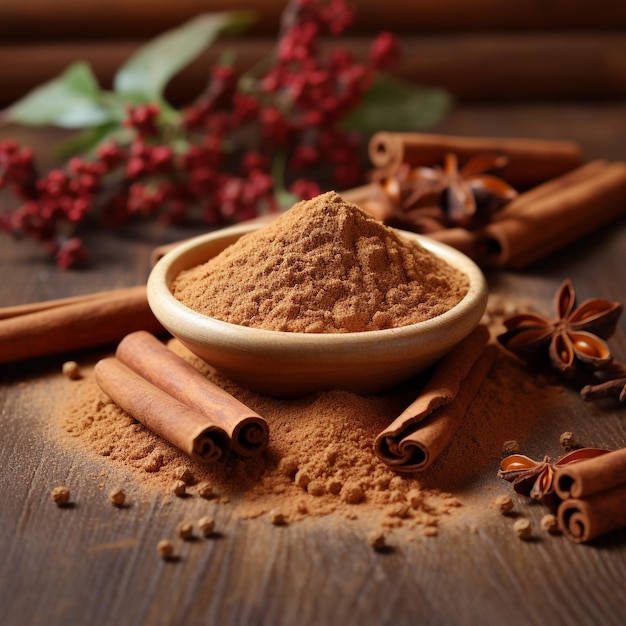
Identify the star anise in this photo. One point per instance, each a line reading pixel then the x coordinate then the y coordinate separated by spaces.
pixel 535 479
pixel 433 198
pixel 574 337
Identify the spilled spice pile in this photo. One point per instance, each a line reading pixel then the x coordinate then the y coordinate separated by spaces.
pixel 324 266
pixel 320 458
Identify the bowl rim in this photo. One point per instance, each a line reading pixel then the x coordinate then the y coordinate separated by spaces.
pixel 176 316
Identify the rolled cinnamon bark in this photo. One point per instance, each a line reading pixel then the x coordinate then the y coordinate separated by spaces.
pixel 358 195
pixel 584 519
pixel 531 161
pixel 461 239
pixel 531 230
pixel 584 478
pixel 34 307
pixel 372 199
pixel 90 322
pixel 188 430
pixel 416 437
pixel 148 357
pixel 550 187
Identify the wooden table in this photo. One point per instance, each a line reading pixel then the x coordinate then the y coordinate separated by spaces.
pixel 91 566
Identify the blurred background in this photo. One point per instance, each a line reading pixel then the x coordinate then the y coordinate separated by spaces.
pixel 479 50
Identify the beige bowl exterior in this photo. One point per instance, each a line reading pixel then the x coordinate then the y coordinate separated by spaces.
pixel 284 364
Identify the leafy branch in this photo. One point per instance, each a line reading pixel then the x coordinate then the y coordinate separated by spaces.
pixel 248 145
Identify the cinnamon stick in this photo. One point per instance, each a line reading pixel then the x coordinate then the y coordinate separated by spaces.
pixel 601 473
pixel 530 229
pixel 550 187
pixel 34 307
pixel 361 194
pixel 594 496
pixel 88 323
pixel 461 239
pixel 422 431
pixel 148 357
pixel 584 519
pixel 531 161
pixel 194 434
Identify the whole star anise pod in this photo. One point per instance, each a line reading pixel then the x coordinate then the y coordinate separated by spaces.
pixel 574 337
pixel 535 479
pixel 432 198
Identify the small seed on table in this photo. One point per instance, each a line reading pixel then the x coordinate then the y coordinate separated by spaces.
pixel 377 540
pixel 522 528
pixel 510 447
pixel 185 530
pixel 179 488
pixel 206 526
pixel 60 495
pixel 71 370
pixel 504 504
pixel 165 549
pixel 117 497
pixel 550 524
pixel 567 440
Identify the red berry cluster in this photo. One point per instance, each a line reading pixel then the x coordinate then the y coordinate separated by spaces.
pixel 218 167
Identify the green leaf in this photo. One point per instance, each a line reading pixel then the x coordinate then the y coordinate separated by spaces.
pixel 285 199
pixel 395 105
pixel 148 71
pixel 86 141
pixel 72 100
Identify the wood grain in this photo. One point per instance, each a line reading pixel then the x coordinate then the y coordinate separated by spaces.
pixel 471 65
pixel 63 19
pixel 95 564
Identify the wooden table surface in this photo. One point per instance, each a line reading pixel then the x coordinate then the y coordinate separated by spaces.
pixel 92 566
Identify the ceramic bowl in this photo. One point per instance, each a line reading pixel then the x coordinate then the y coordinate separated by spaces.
pixel 286 364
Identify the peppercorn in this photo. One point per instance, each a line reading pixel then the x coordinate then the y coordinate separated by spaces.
pixel 179 488
pixel 567 440
pixel 206 526
pixel 60 495
pixel 510 447
pixel 71 370
pixel 550 524
pixel 165 549
pixel 278 518
pixel 117 497
pixel 504 504
pixel 205 490
pixel 377 540
pixel 183 473
pixel 185 530
pixel 522 528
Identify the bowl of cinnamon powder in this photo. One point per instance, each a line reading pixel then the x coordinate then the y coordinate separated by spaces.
pixel 323 297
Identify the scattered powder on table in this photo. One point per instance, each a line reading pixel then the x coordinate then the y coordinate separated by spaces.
pixel 320 457
pixel 319 460
pixel 324 266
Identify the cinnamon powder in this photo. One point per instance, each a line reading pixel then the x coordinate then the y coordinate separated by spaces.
pixel 324 266
pixel 320 458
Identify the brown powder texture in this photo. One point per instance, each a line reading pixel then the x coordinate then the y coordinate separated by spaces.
pixel 320 459
pixel 324 266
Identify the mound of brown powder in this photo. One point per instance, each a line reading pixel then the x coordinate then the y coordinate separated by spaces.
pixel 320 458
pixel 324 266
